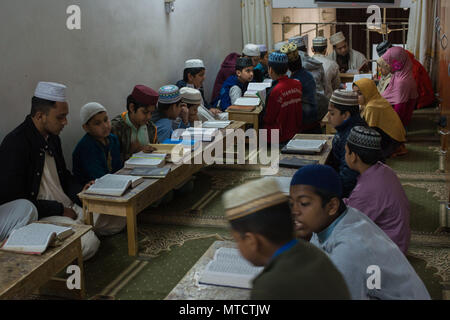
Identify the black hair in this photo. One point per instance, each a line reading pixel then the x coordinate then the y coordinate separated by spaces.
pixel 137 105
pixel 368 156
pixel 192 71
pixel 41 105
pixel 343 109
pixel 320 49
pixel 164 107
pixel 295 65
pixel 302 48
pixel 190 105
pixel 279 68
pixel 240 68
pixel 263 54
pixel 275 223
pixel 326 196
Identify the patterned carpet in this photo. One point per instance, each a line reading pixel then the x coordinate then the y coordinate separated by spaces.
pixel 174 236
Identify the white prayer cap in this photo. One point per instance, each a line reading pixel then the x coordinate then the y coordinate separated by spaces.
pixel 190 95
pixel 194 63
pixel 89 110
pixel 51 91
pixel 251 50
pixel 252 197
pixel 277 46
pixel 300 41
pixel 337 38
pixel 262 48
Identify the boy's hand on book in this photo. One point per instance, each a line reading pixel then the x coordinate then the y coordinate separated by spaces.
pixel 90 183
pixel 215 111
pixel 68 212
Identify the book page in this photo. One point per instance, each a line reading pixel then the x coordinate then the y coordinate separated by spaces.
pixel 246 101
pixel 216 124
pixel 229 268
pixel 258 86
pixel 34 237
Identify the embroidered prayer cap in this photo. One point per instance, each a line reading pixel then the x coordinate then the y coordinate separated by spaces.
pixel 278 58
pixel 190 95
pixel 145 95
pixel 251 50
pixel 291 50
pixel 383 47
pixel 244 62
pixel 252 197
pixel 320 42
pixel 89 110
pixel 300 41
pixel 194 63
pixel 366 138
pixel 337 38
pixel 344 97
pixel 262 48
pixel 169 94
pixel 277 46
pixel 50 91
pixel 319 176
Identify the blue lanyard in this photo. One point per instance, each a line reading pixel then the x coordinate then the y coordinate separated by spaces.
pixel 284 248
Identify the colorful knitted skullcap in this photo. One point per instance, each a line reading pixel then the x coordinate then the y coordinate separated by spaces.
pixel 169 94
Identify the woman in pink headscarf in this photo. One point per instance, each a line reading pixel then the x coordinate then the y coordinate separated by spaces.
pixel 402 89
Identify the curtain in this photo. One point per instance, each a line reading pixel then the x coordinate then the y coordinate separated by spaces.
pixel 420 29
pixel 257 22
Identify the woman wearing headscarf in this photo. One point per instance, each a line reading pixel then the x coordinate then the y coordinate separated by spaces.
pixel 379 114
pixel 402 90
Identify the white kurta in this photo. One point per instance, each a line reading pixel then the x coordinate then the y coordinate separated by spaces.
pixel 331 69
pixel 357 246
pixel 357 59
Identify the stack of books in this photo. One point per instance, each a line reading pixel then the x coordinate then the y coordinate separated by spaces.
pixel 245 104
pixel 146 160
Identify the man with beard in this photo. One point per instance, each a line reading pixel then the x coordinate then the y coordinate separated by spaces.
pixel 347 59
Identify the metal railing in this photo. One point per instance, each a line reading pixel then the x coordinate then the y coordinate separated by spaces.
pixel 320 25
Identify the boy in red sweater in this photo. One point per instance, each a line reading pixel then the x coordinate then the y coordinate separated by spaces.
pixel 283 110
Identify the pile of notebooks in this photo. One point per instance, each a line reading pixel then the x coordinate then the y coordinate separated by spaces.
pixel 148 165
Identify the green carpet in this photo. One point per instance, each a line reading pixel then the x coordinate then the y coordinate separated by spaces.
pixel 172 237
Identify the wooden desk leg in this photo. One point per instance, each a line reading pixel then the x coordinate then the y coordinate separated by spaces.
pixel 132 231
pixel 81 266
pixel 88 216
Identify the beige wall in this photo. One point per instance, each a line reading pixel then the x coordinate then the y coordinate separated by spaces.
pixel 120 44
pixel 303 16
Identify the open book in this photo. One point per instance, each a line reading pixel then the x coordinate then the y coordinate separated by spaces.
pixel 200 134
pixel 114 184
pixel 146 160
pixel 216 124
pixel 35 237
pixel 229 269
pixel 247 102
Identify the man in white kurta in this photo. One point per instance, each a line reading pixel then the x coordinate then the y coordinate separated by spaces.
pixel 330 67
pixel 349 60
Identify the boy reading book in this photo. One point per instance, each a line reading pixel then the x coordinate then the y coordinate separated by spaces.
pixel 378 192
pixel 134 127
pixel 98 154
pixel 263 228
pixel 236 85
pixel 360 250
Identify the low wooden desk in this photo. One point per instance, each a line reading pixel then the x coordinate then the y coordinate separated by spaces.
pixel 22 274
pixel 189 289
pixel 321 157
pixel 251 117
pixel 137 199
